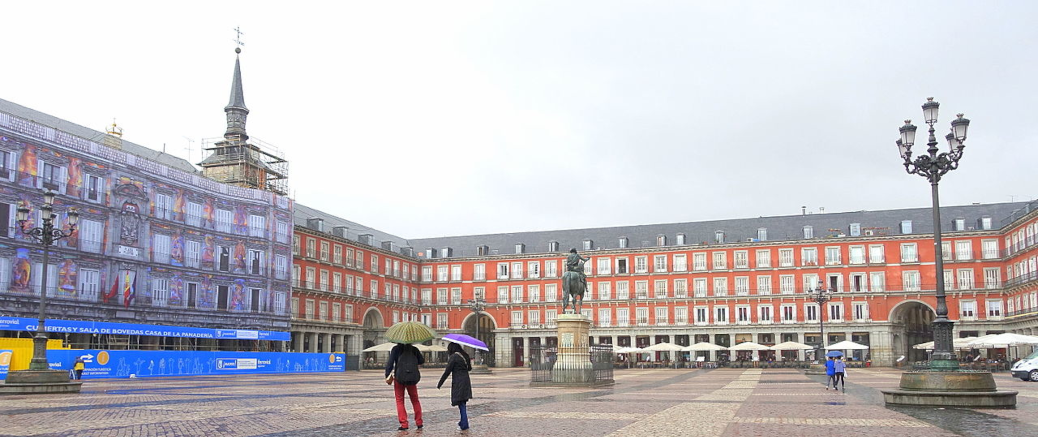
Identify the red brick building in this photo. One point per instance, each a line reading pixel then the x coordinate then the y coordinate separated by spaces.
pixel 724 282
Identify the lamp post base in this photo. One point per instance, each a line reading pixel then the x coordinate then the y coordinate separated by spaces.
pixel 949 389
pixel 39 382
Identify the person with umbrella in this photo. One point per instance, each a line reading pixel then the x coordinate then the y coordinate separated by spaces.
pixel 830 372
pixel 840 369
pixel 458 368
pixel 403 363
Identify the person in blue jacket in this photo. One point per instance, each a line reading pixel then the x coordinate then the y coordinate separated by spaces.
pixel 830 373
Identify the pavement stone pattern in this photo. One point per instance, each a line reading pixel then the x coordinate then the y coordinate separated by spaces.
pixel 643 402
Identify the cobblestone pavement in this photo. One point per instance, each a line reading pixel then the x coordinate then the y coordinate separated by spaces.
pixel 658 402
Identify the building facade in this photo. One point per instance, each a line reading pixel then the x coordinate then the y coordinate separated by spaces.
pixel 157 243
pixel 722 282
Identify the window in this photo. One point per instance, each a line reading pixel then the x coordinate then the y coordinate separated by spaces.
pixel 551 269
pixel 861 311
pixel 742 285
pixel 91 235
pixel 517 318
pixel 680 240
pixel 7 165
pixel 426 273
pixel 604 265
pixel 858 282
pixel 763 285
pixel 699 262
pixel 604 291
pixel 533 269
pixel 622 242
pixel 809 232
pixel 810 312
pixel 324 251
pixel 785 257
pixel 963 250
pixel 93 190
pixel 719 237
pixel 876 254
pixel 991 278
pixel 621 266
pixel 702 316
pixel 968 309
pixel 764 314
pixel 282 232
pixel 502 270
pixel 720 261
pixel 681 288
pixel 720 286
pixel 789 313
pixel 456 273
pixel 641 264
pixel 857 255
pixel 965 277
pixel 534 290
pixel 762 234
pixel 224 218
pixel 835 312
pixel 661 240
pixel 623 290
pixel 441 296
pixel 337 282
pixel 809 256
pixel 641 315
pixel 661 315
pixel 906 226
pixel 322 313
pixel 311 277
pixel 989 249
pixel 660 288
pixel 337 254
pixel 699 287
pixel 160 248
pixel 551 293
pixel 517 270
pixel 787 284
pixel 256 261
pixel 296 276
pixel 878 281
pixel 441 321
pixel 742 259
pixel 681 315
pixel 479 272
pixel 374 264
pixel 159 291
pixel 910 281
pixel 855 229
pixel 588 244
pixel 550 316
pixel 309 309
pixel 763 259
pixel 258 228
pixel 909 253
pixel 946 251
pixel 52 177
pixel 994 308
pixel 742 314
pixel 517 293
pixel 534 317
pixel 311 248
pixel 193 254
pixel 660 264
pixel 455 296
pixel 680 263
pixel 721 315
pixel 323 285
pixel 641 289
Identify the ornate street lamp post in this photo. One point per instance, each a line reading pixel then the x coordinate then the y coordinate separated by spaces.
pixel 821 296
pixel 932 165
pixel 477 306
pixel 46 235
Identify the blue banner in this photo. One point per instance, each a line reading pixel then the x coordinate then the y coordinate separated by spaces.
pixel 88 327
pixel 5 362
pixel 141 363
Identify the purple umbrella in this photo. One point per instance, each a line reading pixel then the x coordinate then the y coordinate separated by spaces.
pixel 466 340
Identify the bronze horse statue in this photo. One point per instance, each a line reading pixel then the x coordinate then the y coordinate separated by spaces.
pixel 573 288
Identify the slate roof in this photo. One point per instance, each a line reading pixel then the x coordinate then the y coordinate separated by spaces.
pixel 93 135
pixel 354 230
pixel 780 228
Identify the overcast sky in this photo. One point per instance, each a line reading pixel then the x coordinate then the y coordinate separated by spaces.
pixel 428 119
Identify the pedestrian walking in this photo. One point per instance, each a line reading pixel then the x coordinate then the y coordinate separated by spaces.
pixel 458 366
pixel 402 372
pixel 840 369
pixel 830 373
pixel 78 367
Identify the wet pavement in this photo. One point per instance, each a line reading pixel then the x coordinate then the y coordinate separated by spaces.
pixel 657 402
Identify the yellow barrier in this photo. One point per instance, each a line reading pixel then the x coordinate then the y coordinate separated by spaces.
pixel 22 348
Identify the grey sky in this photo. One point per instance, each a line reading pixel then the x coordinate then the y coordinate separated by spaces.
pixel 427 119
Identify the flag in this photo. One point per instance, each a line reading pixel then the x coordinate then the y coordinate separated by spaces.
pixel 115 289
pixel 129 289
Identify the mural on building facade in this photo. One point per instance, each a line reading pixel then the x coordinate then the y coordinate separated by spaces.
pixel 67 278
pixel 21 270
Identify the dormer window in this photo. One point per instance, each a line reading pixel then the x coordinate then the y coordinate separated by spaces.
pixel 855 230
pixel 809 232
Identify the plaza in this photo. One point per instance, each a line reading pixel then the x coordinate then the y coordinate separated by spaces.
pixel 657 402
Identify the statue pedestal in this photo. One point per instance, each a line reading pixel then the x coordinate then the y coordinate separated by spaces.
pixel 573 361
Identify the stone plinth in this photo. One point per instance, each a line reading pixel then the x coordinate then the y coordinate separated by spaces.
pixel 39 382
pixel 572 361
pixel 949 389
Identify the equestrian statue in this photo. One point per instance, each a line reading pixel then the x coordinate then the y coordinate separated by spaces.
pixel 574 281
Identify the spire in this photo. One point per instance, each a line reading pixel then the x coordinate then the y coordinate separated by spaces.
pixel 235 109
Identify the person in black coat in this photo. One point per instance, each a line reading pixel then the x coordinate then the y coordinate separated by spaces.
pixel 461 387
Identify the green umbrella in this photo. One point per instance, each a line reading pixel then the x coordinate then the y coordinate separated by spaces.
pixel 409 332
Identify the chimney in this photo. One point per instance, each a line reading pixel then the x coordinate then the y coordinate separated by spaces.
pixel 365 239
pixel 803 210
pixel 316 224
pixel 340 231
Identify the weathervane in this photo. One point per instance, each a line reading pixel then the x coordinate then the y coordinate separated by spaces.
pixel 237 40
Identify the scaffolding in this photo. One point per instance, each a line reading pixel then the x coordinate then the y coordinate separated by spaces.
pixel 249 163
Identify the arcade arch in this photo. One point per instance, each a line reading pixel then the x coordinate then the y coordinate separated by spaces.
pixel 911 323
